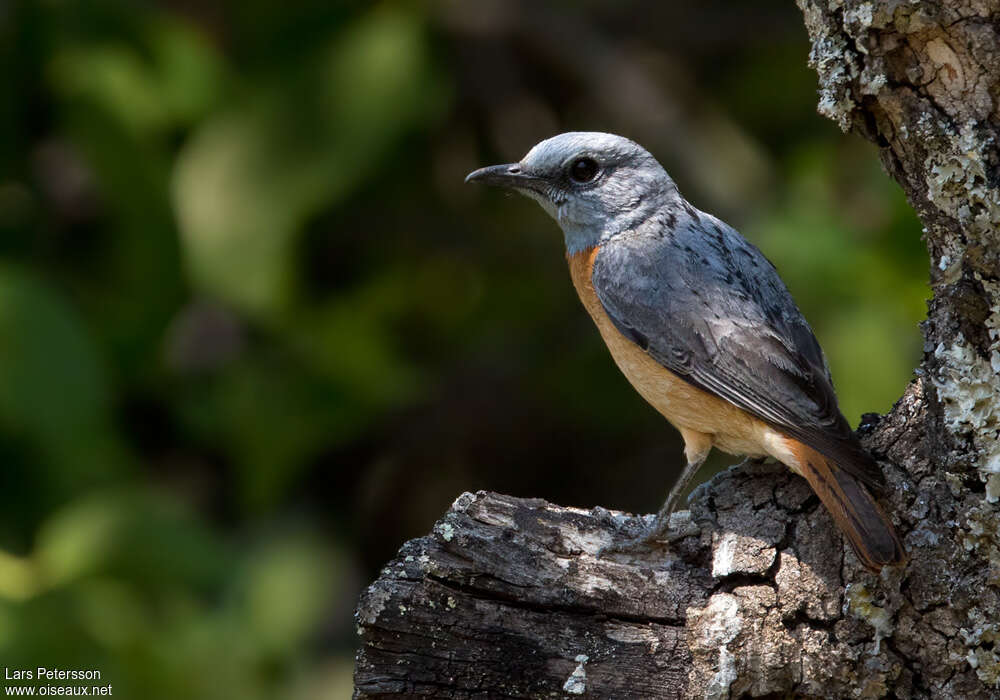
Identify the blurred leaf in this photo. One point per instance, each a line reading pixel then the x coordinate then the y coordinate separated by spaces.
pixel 191 75
pixel 79 540
pixel 114 613
pixel 248 180
pixel 18 577
pixel 145 537
pixel 288 587
pixel 174 83
pixel 868 380
pixel 332 681
pixel 350 340
pixel 122 99
pixel 53 387
pixel 115 77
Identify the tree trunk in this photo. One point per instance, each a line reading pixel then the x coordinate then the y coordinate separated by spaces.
pixel 756 594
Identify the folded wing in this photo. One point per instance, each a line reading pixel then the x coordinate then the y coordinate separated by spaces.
pixel 708 306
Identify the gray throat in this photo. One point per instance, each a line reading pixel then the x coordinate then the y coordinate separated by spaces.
pixel 660 217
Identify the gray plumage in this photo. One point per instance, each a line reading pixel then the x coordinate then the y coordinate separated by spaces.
pixel 707 305
pixel 687 288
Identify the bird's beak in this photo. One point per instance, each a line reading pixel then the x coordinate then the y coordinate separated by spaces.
pixel 509 176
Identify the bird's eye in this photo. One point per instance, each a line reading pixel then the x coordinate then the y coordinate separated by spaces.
pixel 583 170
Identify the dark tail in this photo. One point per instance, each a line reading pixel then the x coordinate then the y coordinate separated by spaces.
pixel 859 517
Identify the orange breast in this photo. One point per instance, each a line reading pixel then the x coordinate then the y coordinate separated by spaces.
pixel 701 417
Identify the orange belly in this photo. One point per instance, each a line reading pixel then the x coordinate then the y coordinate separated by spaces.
pixel 704 420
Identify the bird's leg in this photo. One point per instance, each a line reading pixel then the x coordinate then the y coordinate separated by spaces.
pixel 662 521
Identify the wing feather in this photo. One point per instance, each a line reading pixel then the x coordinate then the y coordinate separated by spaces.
pixel 708 306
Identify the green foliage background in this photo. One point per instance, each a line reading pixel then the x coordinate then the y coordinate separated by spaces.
pixel 255 332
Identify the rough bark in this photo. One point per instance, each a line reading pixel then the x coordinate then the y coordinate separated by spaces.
pixel 756 594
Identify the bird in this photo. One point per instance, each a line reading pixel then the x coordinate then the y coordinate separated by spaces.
pixel 702 326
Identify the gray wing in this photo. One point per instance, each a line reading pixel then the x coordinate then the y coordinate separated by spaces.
pixel 708 306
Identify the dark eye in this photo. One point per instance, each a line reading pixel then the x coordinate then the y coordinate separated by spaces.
pixel 583 170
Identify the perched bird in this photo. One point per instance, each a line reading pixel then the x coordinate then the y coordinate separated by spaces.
pixel 701 325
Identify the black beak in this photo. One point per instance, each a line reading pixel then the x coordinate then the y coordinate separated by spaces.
pixel 509 176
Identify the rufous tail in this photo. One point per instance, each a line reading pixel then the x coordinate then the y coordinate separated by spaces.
pixel 865 524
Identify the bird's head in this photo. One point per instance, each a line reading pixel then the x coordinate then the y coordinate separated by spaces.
pixel 595 185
